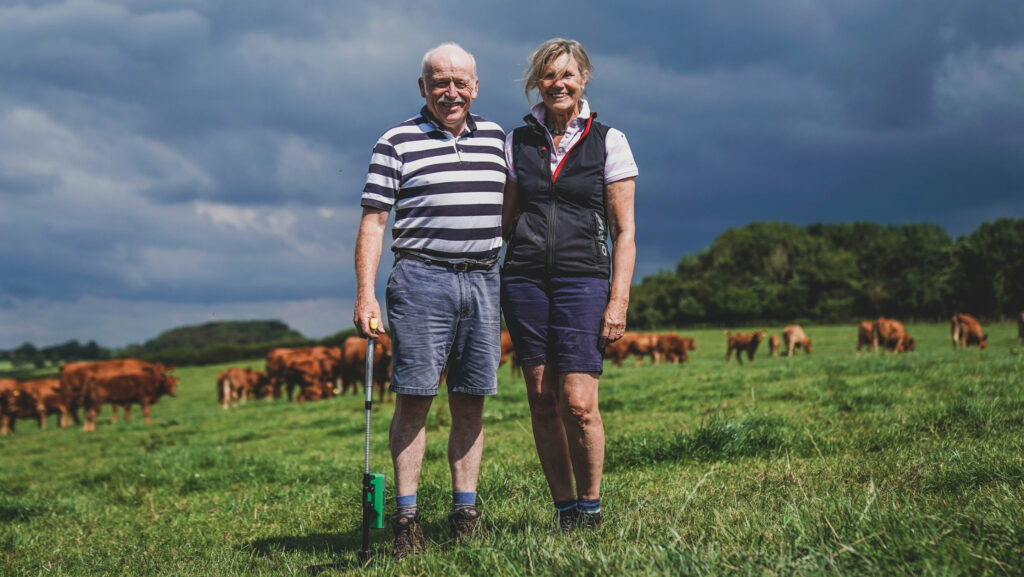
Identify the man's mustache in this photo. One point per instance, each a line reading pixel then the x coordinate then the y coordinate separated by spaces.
pixel 445 101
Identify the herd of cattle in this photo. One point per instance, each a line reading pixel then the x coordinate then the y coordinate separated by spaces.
pixel 324 372
pixel 118 383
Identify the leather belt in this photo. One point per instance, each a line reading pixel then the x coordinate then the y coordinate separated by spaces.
pixel 458 266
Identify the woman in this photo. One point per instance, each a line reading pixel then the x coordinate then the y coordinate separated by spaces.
pixel 571 184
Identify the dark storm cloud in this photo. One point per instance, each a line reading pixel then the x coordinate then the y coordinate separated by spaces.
pixel 166 162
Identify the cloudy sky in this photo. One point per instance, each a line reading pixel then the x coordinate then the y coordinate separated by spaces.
pixel 170 162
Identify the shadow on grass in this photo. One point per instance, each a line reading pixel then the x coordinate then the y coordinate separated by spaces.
pixel 342 548
pixel 328 543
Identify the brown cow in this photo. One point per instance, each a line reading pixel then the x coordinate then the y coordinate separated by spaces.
pixel 74 374
pixel 794 338
pixel 773 346
pixel 508 354
pixel 617 351
pixel 37 399
pixel 644 345
pixel 353 364
pixel 864 338
pixel 309 367
pixel 965 331
pixel 12 403
pixel 137 382
pixel 237 385
pixel 673 347
pixel 740 342
pixel 892 336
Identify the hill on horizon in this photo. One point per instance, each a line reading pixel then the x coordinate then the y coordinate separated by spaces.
pixel 222 333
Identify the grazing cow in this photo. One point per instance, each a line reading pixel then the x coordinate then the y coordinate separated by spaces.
pixel 864 338
pixel 309 367
pixel 673 348
pixel 508 353
pixel 134 383
pixel 353 364
pixel 73 376
pixel 691 345
pixel 644 345
pixel 259 385
pixel 740 342
pixel 773 346
pixel 36 399
pixel 891 336
pixel 618 351
pixel 237 385
pixel 9 405
pixel 794 338
pixel 966 331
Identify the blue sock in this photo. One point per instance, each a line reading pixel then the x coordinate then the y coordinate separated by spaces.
pixel 463 499
pixel 406 503
pixel 563 506
pixel 586 506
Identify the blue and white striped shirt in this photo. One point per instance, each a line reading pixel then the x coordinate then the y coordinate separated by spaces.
pixel 446 192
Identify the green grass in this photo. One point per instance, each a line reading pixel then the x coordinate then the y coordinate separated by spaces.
pixel 819 464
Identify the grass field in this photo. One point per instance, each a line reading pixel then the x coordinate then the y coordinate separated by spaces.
pixel 819 464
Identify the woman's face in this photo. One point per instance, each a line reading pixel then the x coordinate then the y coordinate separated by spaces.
pixel 561 92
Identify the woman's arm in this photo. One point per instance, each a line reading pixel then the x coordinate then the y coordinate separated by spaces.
pixel 622 227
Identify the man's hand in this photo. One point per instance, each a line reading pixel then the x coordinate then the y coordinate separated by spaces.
pixel 366 309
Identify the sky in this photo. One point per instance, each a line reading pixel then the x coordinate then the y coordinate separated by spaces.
pixel 173 162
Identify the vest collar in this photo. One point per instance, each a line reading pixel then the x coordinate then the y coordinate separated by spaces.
pixel 535 119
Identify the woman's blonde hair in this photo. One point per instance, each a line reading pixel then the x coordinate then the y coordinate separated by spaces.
pixel 550 50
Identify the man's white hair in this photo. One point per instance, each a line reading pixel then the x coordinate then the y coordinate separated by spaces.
pixel 425 67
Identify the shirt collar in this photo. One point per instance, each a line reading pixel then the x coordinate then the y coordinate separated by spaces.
pixel 540 112
pixel 470 123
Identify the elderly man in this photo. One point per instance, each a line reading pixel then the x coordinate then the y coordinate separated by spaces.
pixel 443 171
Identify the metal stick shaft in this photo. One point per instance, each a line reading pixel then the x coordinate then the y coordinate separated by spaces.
pixel 368 388
pixel 364 553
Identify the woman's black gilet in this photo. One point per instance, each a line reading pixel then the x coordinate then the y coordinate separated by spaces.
pixel 562 222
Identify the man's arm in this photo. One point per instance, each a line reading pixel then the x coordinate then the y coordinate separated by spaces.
pixel 622 226
pixel 368 248
pixel 508 208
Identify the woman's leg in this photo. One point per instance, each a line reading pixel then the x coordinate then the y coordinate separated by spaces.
pixel 584 431
pixel 548 431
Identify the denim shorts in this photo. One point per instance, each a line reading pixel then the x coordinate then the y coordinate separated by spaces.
pixel 556 322
pixel 440 316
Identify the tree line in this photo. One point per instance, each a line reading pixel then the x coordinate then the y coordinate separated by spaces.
pixel 762 272
pixel 208 343
pixel 831 273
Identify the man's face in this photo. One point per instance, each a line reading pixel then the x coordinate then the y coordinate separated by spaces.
pixel 449 88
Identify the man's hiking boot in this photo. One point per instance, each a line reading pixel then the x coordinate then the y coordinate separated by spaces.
pixel 568 519
pixel 409 538
pixel 463 523
pixel 589 520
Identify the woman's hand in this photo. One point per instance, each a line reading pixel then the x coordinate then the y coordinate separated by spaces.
pixel 613 326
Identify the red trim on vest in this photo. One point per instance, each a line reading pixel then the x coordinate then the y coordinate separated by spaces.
pixel 561 164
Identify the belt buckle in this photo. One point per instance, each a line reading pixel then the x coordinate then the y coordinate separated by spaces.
pixel 460 266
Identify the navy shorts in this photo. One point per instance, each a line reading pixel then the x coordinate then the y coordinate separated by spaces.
pixel 556 322
pixel 440 316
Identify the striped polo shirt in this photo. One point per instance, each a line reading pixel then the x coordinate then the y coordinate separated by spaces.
pixel 446 191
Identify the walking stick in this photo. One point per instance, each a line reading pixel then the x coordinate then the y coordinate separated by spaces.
pixel 373 483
